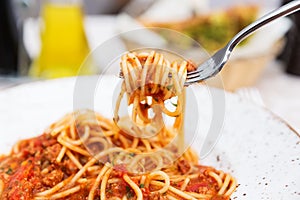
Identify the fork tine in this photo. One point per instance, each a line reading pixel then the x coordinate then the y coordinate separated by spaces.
pixel 190 81
pixel 193 75
pixel 195 71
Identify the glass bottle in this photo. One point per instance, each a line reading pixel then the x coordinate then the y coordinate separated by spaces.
pixel 63 41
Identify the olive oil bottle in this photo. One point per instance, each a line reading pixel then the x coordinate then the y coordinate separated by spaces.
pixel 63 41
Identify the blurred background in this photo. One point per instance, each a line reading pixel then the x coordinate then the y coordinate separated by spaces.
pixel 45 39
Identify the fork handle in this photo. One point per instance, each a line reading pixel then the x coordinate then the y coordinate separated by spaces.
pixel 285 10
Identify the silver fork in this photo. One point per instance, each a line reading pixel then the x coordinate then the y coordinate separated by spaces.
pixel 213 66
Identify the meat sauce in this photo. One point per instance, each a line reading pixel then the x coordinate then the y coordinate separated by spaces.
pixel 34 169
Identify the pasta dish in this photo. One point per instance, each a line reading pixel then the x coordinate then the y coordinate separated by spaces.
pixel 87 156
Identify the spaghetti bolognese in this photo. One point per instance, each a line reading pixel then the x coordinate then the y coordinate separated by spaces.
pixel 87 156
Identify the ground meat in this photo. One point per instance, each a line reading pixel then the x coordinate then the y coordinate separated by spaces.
pixel 191 66
pixel 52 152
pixel 53 178
pixel 183 166
pixel 69 167
pixel 157 196
pixel 117 189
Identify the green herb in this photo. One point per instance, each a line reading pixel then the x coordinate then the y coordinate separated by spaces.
pixel 9 171
pixel 132 154
pixel 109 191
pixel 129 192
pixel 174 104
pixel 169 87
pixel 142 185
pixel 113 161
pixel 127 188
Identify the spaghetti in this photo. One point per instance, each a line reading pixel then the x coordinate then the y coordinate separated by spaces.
pixel 150 80
pixel 86 156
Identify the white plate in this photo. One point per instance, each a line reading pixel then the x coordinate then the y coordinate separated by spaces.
pixel 257 148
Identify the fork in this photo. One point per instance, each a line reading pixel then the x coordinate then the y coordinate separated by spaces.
pixel 213 65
